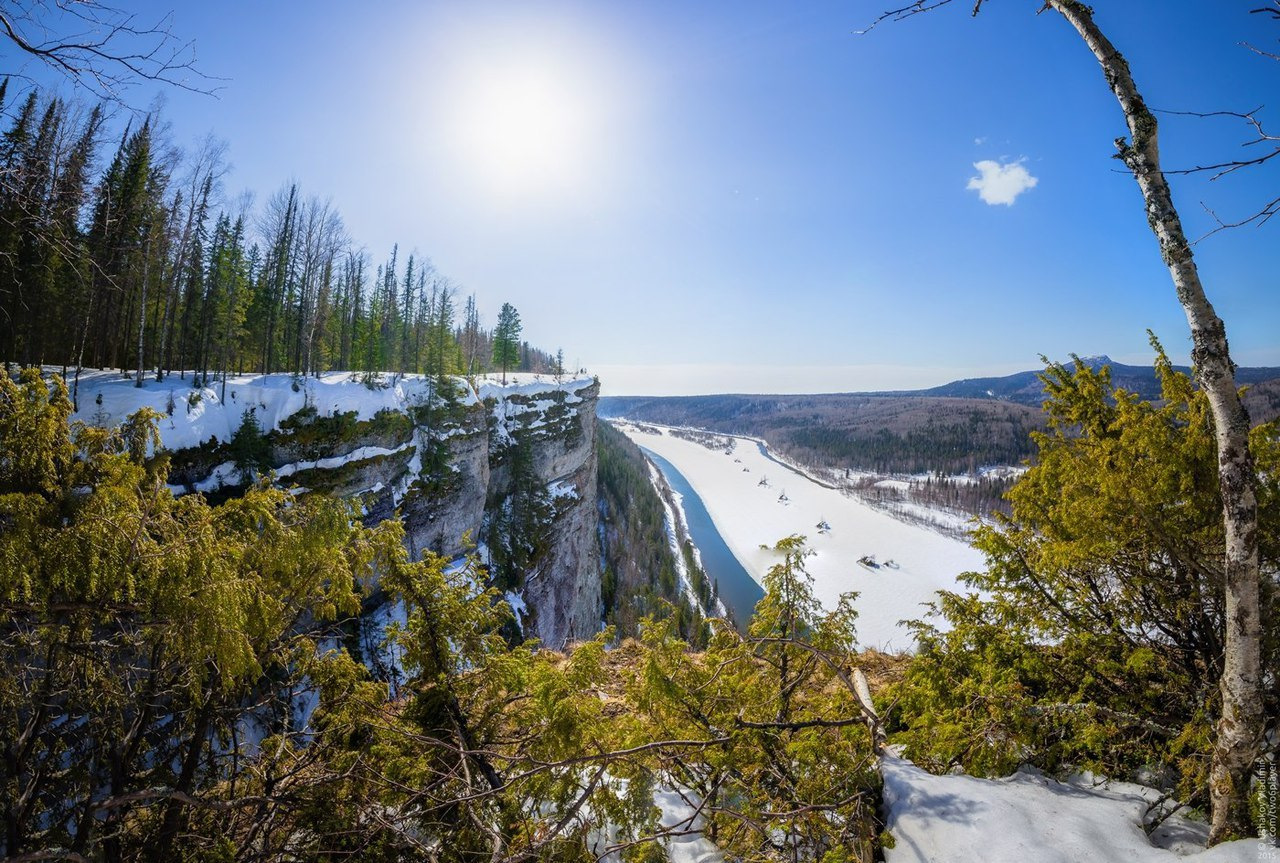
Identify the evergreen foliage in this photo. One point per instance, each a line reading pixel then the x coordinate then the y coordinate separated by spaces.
pixel 161 655
pixel 1097 638
pixel 249 446
pixel 519 531
pixel 506 339
pixel 640 573
pixel 779 757
pixel 143 632
pixel 142 265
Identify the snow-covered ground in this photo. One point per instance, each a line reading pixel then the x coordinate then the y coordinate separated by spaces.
pixel 1028 817
pixel 749 515
pixel 1025 818
pixel 676 524
pixel 192 416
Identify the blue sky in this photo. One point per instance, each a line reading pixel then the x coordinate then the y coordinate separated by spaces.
pixel 750 196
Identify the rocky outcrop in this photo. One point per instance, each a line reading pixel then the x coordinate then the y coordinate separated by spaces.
pixel 548 440
pixel 510 469
pixel 443 512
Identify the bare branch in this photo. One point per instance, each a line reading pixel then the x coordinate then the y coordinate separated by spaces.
pixel 1221 169
pixel 1257 50
pixel 1274 12
pixel 1261 217
pixel 100 47
pixel 904 12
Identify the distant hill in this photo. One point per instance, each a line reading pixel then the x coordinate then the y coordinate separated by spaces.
pixel 1025 387
pixel 954 428
pixel 880 432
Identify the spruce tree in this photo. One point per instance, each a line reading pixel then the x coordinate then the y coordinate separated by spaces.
pixel 506 339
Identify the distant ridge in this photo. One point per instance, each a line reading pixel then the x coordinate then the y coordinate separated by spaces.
pixel 953 427
pixel 1020 387
pixel 1026 387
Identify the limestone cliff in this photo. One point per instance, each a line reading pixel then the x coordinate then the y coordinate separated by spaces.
pixel 541 512
pixel 510 468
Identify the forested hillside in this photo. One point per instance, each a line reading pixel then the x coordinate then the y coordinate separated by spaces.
pixel 952 429
pixel 641 572
pixel 119 250
pixel 870 432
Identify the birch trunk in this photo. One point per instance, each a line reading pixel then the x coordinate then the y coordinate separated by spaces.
pixel 1239 730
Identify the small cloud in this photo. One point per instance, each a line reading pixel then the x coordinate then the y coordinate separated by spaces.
pixel 1001 182
pixel 978 142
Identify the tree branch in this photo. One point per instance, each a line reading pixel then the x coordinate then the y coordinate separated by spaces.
pixel 901 14
pixel 106 49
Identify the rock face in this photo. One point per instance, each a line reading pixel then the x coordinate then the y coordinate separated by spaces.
pixel 547 441
pixel 446 516
pixel 510 469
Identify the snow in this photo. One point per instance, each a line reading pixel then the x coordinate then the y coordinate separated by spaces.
pixel 106 398
pixel 562 488
pixel 510 415
pixel 518 608
pixel 193 416
pixel 198 414
pixel 673 520
pixel 749 515
pixel 1028 816
pixel 224 474
pixel 1022 818
pixel 898 484
pixel 414 470
pixel 358 454
pixel 384 655
pixel 679 814
pixel 526 384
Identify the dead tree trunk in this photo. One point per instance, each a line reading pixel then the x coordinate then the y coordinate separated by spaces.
pixel 1239 729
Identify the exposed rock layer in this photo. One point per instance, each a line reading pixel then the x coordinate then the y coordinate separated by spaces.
pixel 445 465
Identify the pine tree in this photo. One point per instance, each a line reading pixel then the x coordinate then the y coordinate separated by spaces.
pixel 506 339
pixel 408 356
pixel 440 333
pixel 471 336
pixel 193 281
pixel 282 216
pixel 122 216
pixel 67 315
pixel 24 171
pixel 126 269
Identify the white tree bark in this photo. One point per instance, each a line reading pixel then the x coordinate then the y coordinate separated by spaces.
pixel 1239 730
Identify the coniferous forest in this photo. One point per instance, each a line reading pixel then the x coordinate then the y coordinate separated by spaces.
pixel 120 250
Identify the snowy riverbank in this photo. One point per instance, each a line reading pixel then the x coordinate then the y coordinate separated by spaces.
pixel 749 514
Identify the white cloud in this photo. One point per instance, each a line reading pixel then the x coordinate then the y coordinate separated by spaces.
pixel 978 142
pixel 1001 182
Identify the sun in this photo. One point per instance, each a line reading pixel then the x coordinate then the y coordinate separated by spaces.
pixel 523 127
